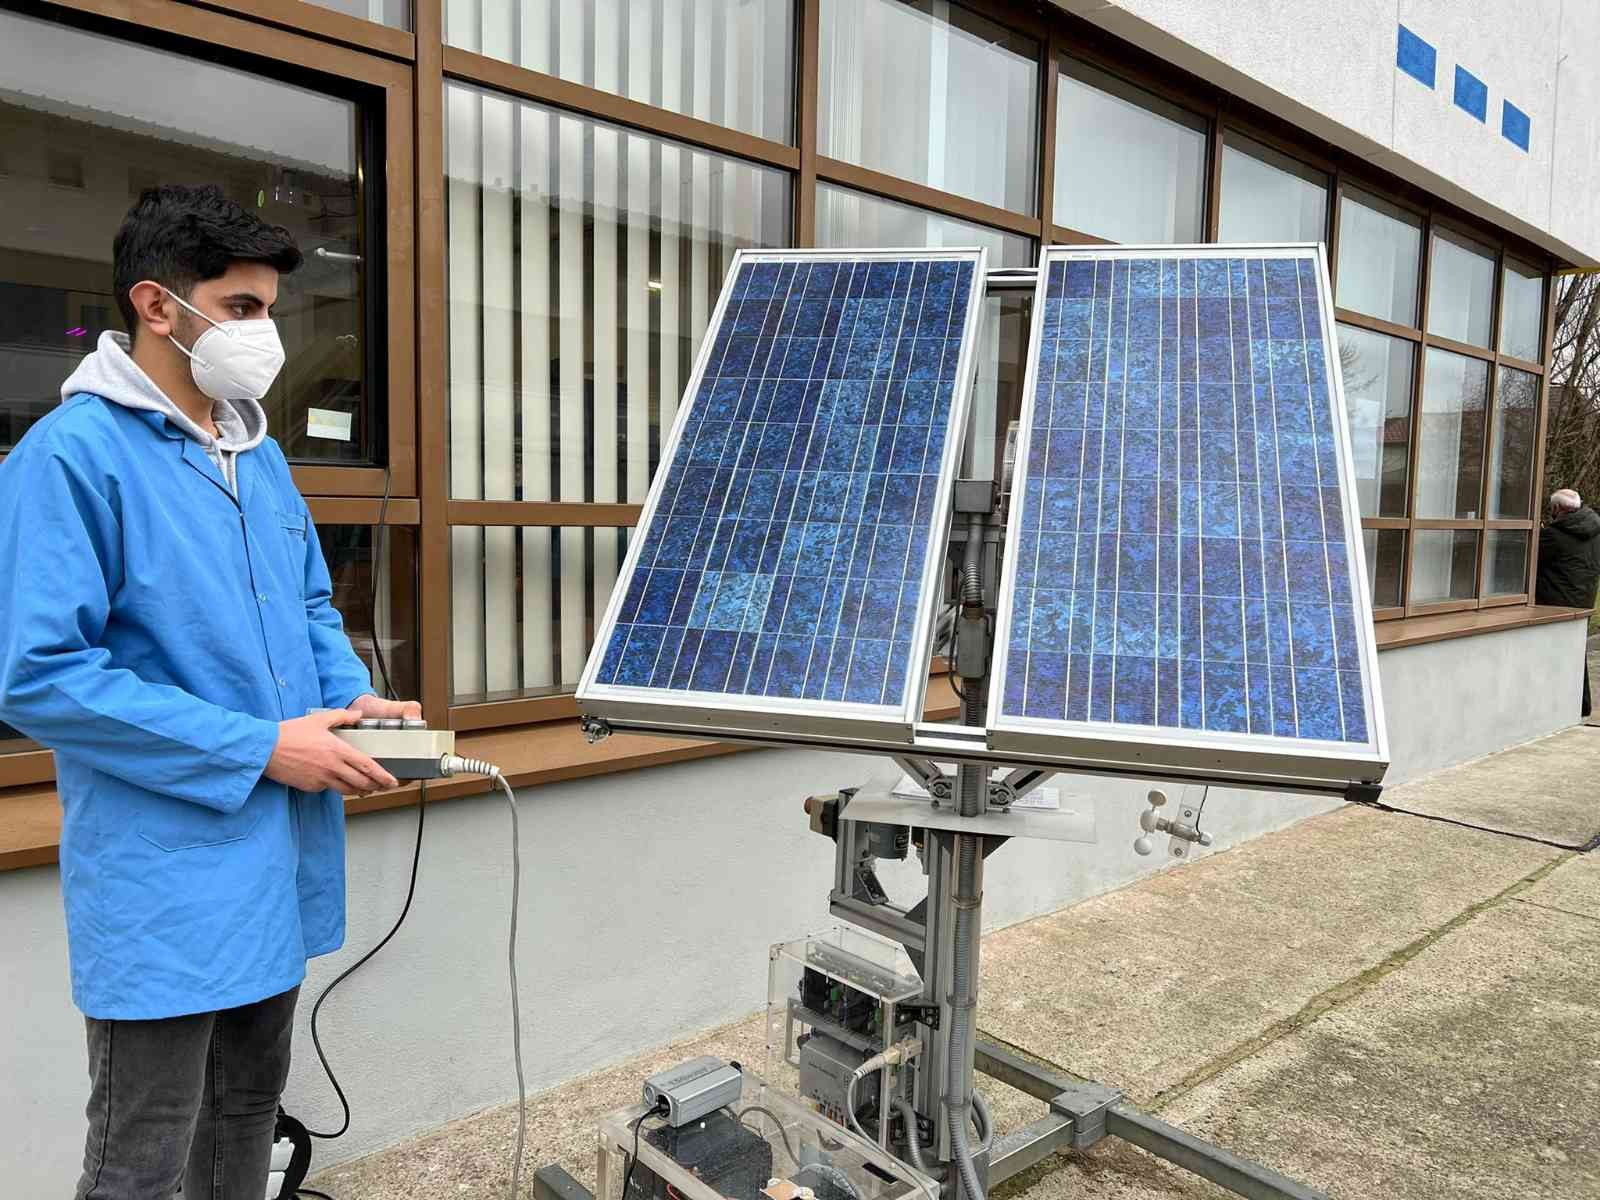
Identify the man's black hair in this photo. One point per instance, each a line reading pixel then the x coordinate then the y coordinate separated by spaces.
pixel 181 236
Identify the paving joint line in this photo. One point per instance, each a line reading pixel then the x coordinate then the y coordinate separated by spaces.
pixel 1343 993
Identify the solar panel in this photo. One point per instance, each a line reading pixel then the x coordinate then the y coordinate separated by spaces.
pixel 789 554
pixel 1183 585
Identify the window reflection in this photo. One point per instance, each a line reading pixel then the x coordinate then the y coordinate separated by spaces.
pixel 1450 460
pixel 930 92
pixel 76 149
pixel 1377 391
pixel 1130 167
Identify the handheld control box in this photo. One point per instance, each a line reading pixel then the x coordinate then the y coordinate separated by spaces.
pixel 406 749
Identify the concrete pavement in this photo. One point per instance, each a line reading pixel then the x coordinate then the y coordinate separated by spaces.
pixel 1380 1005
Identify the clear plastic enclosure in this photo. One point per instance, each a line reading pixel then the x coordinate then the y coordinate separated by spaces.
pixel 844 988
pixel 768 1146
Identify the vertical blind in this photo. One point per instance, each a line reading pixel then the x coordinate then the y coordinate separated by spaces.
pixel 584 261
pixel 730 62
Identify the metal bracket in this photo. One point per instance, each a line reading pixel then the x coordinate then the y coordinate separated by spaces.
pixel 594 729
pixel 926 1011
pixel 927 774
pixel 1014 785
pixel 1087 1105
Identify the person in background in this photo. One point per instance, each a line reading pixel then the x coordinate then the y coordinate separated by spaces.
pixel 166 627
pixel 1569 561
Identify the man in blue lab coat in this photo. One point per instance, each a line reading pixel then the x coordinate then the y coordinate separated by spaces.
pixel 165 627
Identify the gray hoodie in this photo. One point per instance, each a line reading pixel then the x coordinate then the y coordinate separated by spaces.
pixel 110 372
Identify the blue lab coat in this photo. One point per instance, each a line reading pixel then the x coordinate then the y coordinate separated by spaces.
pixel 154 629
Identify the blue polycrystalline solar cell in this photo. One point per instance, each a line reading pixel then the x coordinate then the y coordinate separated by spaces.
pixel 1181 560
pixel 786 554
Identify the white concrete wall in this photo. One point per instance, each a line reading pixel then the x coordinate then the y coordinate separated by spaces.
pixel 1542 55
pixel 650 899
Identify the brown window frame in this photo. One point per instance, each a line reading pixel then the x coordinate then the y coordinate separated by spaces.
pixel 411 69
pixel 1435 217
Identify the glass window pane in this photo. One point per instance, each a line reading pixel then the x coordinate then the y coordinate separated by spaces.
pixel 1378 371
pixel 1380 258
pixel 1450 459
pixel 1460 289
pixel 1506 565
pixel 730 62
pixel 1444 565
pixel 847 218
pixel 378 603
pixel 1522 311
pixel 997 383
pixel 80 145
pixel 1268 196
pixel 584 263
pixel 1130 167
pixel 524 606
pixel 1512 446
pixel 395 13
pixel 927 91
pixel 1386 554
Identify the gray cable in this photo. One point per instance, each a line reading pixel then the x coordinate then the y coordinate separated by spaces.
pixel 776 1120
pixel 850 1106
pixel 980 1113
pixel 516 1008
pixel 913 1139
pixel 455 765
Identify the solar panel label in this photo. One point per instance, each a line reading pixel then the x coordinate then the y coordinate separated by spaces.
pixel 1183 585
pixel 788 557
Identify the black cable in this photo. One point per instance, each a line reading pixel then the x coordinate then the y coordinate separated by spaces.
pixel 316 1009
pixel 1582 847
pixel 633 1159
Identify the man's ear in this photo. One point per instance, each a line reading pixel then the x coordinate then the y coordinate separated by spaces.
pixel 151 303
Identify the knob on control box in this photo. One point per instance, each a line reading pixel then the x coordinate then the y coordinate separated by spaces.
pixel 406 749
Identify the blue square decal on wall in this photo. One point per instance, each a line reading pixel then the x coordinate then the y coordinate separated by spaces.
pixel 1416 57
pixel 1514 125
pixel 1472 94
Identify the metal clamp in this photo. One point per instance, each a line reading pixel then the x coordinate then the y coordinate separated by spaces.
pixel 1006 791
pixel 594 729
pixel 927 775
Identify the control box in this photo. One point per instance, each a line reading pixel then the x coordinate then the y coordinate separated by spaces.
pixel 406 749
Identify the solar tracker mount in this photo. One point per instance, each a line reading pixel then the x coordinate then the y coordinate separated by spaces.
pixel 1194 611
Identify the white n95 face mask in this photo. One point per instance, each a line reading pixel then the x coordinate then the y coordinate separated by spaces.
pixel 233 360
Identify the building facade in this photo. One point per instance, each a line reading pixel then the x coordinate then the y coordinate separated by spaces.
pixel 517 215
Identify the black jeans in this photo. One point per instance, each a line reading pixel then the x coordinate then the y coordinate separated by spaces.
pixel 190 1100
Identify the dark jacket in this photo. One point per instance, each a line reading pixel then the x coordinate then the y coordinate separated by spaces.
pixel 1569 560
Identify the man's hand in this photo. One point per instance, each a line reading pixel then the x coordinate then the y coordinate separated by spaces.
pixel 310 759
pixel 374 707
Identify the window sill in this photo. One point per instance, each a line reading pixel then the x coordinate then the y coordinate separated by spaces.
pixel 1441 627
pixel 554 751
pixel 30 817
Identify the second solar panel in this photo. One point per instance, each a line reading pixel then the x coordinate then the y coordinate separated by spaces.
pixel 1182 583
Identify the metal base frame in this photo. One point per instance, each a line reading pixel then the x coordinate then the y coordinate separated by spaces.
pixel 1083 1113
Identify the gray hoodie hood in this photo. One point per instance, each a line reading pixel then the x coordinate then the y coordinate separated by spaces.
pixel 111 373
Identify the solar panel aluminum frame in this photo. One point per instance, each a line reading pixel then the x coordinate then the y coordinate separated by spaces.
pixel 1227 758
pixel 787 721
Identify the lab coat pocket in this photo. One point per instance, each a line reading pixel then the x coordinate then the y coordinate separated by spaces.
pixel 173 838
pixel 294 524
